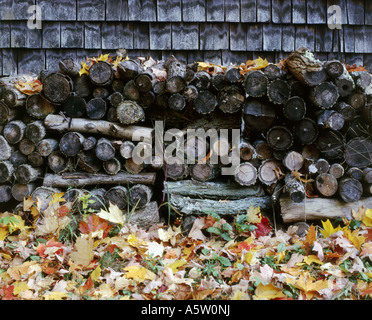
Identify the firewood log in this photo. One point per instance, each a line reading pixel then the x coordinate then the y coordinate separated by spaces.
pixel 117 195
pixel 258 115
pixel 96 108
pixel 270 171
pixel 295 108
pixel 71 143
pixel 129 112
pixel 278 91
pixel 38 107
pixel 58 162
pixel 230 99
pixel 35 131
pixel 245 174
pixel 358 152
pixel 326 184
pixel 20 191
pixel 104 149
pixel 88 161
pixel 57 87
pixel 26 146
pixel 279 138
pixel 26 174
pixel 350 189
pixel 112 166
pixel 336 170
pixel 101 73
pixel 14 131
pixel 74 106
pixel 6 171
pixel 255 83
pixel 35 159
pixel 140 195
pixel 294 188
pixel 5 149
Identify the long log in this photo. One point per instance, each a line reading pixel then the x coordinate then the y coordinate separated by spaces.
pixel 80 179
pixel 100 127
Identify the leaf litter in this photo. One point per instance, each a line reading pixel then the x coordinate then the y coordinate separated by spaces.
pixel 63 253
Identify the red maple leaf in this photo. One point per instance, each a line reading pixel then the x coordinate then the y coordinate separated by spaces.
pixel 7 293
pixel 94 223
pixel 50 243
pixel 263 228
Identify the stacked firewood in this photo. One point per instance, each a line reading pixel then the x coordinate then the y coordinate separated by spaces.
pixel 304 130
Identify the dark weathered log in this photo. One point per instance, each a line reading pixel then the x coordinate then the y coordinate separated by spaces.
pixel 5 149
pixel 213 190
pixel 357 100
pixel 336 170
pixel 129 112
pixel 330 119
pixel 362 79
pixel 263 150
pixel 270 171
pixel 71 143
pixel 89 143
pixel 128 69
pixel 350 190
pixel 367 175
pixel 97 199
pixel 231 99
pixel 176 171
pixel 46 146
pixel 158 86
pixel 101 92
pixel 26 146
pixel 344 83
pixel 175 84
pixel 60 124
pixel 35 159
pixel 115 98
pixel 278 91
pixel 83 86
pixel 356 128
pixel 334 68
pixel 140 195
pixel 256 83
pixel 57 87
pixel 14 131
pixel 126 149
pixel 80 179
pixel 118 196
pixel 295 108
pixel 58 162
pixel 5 193
pixel 293 161
pixel 13 97
pixel 190 93
pixel 175 67
pixel 245 174
pixel 298 88
pixel 358 153
pixel 219 81
pixel 205 103
pixel 202 80
pixel 111 115
pixel 355 173
pixel 147 216
pixel 294 188
pixel 117 85
pixel 101 73
pixel 322 166
pixel 310 152
pixel 104 149
pixel 143 81
pixel 38 107
pixel 258 115
pixel 190 74
pixel 21 191
pixel 326 184
pixel 26 174
pixel 232 74
pixel 44 196
pixel 133 167
pixel 17 158
pixel 6 171
pixel 69 67
pixel 176 102
pixel 346 110
pixel 279 138
pixel 272 72
pixel 130 91
pixel 324 95
pixel 202 172
pixel 74 106
pixel 6 113
pixel 96 108
pixel 35 131
pixel 112 166
pixel 330 143
pixel 88 162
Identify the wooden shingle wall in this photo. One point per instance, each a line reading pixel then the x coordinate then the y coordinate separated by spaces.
pixel 217 31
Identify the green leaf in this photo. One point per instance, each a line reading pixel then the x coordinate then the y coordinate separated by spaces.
pixel 226 237
pixel 240 266
pixel 214 230
pixel 205 251
pixel 213 214
pixel 224 261
pixel 226 227
pixel 281 247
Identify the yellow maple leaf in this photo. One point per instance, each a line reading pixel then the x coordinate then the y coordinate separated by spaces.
pixel 254 215
pixel 306 283
pixel 19 286
pixel 55 295
pixel 4 232
pixel 84 68
pixel 312 259
pixel 96 273
pixel 57 197
pixel 175 265
pixel 114 214
pixel 354 238
pixel 84 251
pixel 367 218
pixel 138 273
pixel 268 292
pixel 103 57
pixel 328 229
pixel 134 241
pixel 358 215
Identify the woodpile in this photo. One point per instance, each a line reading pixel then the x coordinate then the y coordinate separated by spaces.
pixel 303 124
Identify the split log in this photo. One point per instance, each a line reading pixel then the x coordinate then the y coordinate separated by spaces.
pixel 96 108
pixel 116 98
pixel 279 138
pixel 278 91
pixel 57 87
pixel 140 195
pixel 326 184
pixel 129 112
pixel 270 171
pixel 71 143
pixel 104 149
pixel 35 159
pixel 245 174
pixel 112 166
pixel 293 161
pixel 88 162
pixel 358 152
pixel 258 115
pixel 14 131
pixel 205 103
pixel 295 108
pixel 35 131
pixel 74 106
pixel 294 188
pixel 46 146
pixel 230 99
pixel 38 107
pixel 26 174
pixel 118 196
pixel 305 131
pixel 6 171
pixel 318 209
pixel 26 146
pixel 58 162
pixel 21 191
pixel 100 127
pixel 337 170
pixel 213 190
pixel 202 172
pixel 101 73
pixel 80 179
pixel 256 83
pixel 5 193
pixel 5 149
pixel 330 119
pixel 324 95
pixel 350 189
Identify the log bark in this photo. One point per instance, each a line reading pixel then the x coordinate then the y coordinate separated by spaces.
pixel 5 149
pixel 96 108
pixel 80 179
pixel 245 174
pixel 278 91
pixel 5 193
pixel 74 106
pixel 256 83
pixel 7 114
pixel 38 107
pixel 35 131
pixel 112 166
pixel 100 127
pixel 58 162
pixel 21 191
pixel 71 143
pixel 362 79
pixel 44 194
pixel 104 149
pixel 257 115
pixel 6 171
pixel 26 174
pixel 129 112
pixel 294 188
pixel 14 131
pixel 140 195
pixel 118 196
pixel 350 190
pixel 326 184
pixel 57 88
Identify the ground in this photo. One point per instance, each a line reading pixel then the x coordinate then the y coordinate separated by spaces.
pixel 67 252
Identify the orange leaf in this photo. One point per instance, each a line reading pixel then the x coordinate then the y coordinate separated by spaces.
pixel 354 68
pixel 94 223
pixel 41 248
pixel 310 238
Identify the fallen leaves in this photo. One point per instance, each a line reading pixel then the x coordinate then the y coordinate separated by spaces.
pixel 63 254
pixel 30 86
